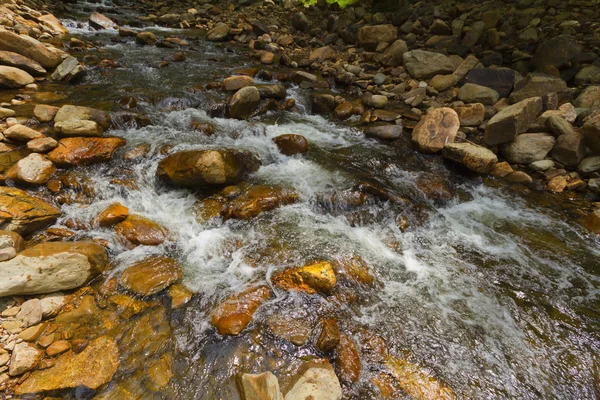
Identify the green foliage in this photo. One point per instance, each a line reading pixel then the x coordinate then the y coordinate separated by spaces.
pixel 342 3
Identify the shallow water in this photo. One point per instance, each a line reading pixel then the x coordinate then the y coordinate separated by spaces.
pixel 496 296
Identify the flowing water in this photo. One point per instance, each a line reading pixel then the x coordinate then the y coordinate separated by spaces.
pixel 494 291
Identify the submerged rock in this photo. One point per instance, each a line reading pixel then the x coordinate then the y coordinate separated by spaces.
pixel 347 360
pixel 318 381
pixel 151 275
pixel 258 199
pixel 76 151
pixel 312 278
pixel 23 213
pixel 235 313
pixel 112 215
pixel 416 382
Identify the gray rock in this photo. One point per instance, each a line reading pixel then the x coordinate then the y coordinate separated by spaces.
pixel 589 164
pixel 501 80
pixel 589 98
pixel 69 71
pixel 588 75
pixel 558 125
pixel 594 185
pixel 476 158
pixel 569 149
pixel 472 93
pixel 23 358
pixel 542 165
pixel 392 56
pixel 422 64
pixel 100 21
pixel 511 121
pixel 218 33
pixel 536 85
pixel 472 37
pixel 31 313
pixel 591 131
pixel 528 148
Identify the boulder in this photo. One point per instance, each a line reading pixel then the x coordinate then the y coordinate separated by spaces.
pixel 207 168
pixel 471 114
pixel 111 215
pixel 589 164
pixel 42 145
pixel 511 121
pixel 243 103
pixel 44 113
pixel 141 231
pixel 16 60
pixel 267 91
pixel 151 275
pixel 536 85
pixel 77 151
pixel 257 199
pixel 557 51
pixel 436 129
pixel 72 370
pixel 6 113
pixel 300 21
pixel 54 24
pixel 23 358
pixel 589 98
pixel 219 33
pixel 291 144
pixel 70 70
pixel 13 78
pixel 588 75
pixel 321 54
pixel 318 381
pixel 146 39
pixel 369 36
pixel 100 21
pixel 235 313
pixel 75 127
pixel 22 133
pixel 52 266
pixel 34 169
pixel 528 148
pixel 475 158
pixel 11 240
pixel 313 278
pixel 393 55
pixel 322 103
pixel 69 112
pixel 422 64
pixel 23 213
pixel 263 386
pixel 30 48
pixel 501 80
pixel 444 82
pixel 472 93
pixel 569 149
pixel 235 83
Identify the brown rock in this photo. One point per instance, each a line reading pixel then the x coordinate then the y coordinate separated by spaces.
pixel 235 313
pixel 34 169
pixel 263 386
pixel 416 382
pixel 58 347
pixel 258 199
pixel 23 358
pixel 112 215
pixel 42 145
pixel 592 222
pixel 471 114
pixel 476 158
pixel 160 373
pixel 75 127
pixel 436 129
pixel 347 360
pixel 100 21
pixel 84 150
pixel 141 231
pixel 501 170
pixel 23 213
pixel 235 83
pixel 179 295
pixel 12 78
pixel 330 335
pixel 30 48
pixel 15 60
pixel 291 144
pixel 290 326
pixel 312 278
pixel 511 121
pixel 243 103
pixel 151 275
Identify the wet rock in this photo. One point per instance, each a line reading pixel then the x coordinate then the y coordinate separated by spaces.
pixel 301 77
pixel 589 98
pixel 291 144
pixel 100 21
pixel 151 275
pixel 472 93
pixel 219 33
pixel 385 132
pixel 69 112
pixel 44 113
pixel 528 148
pixel 471 114
pixel 30 48
pixel 312 278
pixel 592 222
pixel 141 231
pixel 318 381
pixel 22 133
pixel 235 313
pixel 322 103
pixel 24 358
pixel 84 150
pixel 347 360
pixel 6 113
pixel 393 55
pixel 160 373
pixel 263 386
pixel 235 83
pixel 111 215
pixel 179 295
pixel 146 38
pixel 23 213
pixel 34 169
pixel 511 121
pixel 416 382
pixel 369 36
pixel 536 85
pixel 32 333
pixel 422 64
pixel 58 347
pixel 16 60
pixel 272 91
pixel 476 158
pixel 52 266
pixel 72 370
pixel 590 74
pixel 569 149
pixel 75 127
pixel 291 327
pixel 437 128
pixel 343 111
pixel 206 168
pixel 519 177
pixel 329 337
pixel 70 70
pixel 42 145
pixel 243 103
pixel 258 199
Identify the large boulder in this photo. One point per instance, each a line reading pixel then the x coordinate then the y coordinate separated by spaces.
pixel 422 64
pixel 23 213
pixel 12 78
pixel 51 266
pixel 76 151
pixel 437 128
pixel 370 36
pixel 291 144
pixel 243 103
pixel 90 368
pixel 475 158
pixel 234 314
pixel 536 85
pixel 30 48
pixel 473 93
pixel 528 148
pixel 511 121
pixel 151 275
pixel 318 277
pixel 206 168
pixel 69 112
pixel 16 60
pixel 557 51
pixel 393 55
pixel 263 386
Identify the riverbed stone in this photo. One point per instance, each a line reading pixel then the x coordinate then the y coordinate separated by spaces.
pixel 347 360
pixel 536 85
pixel 243 103
pixel 6 113
pixel 151 275
pixel 589 98
pixel 235 83
pixel 257 199
pixel 111 215
pixel 329 337
pixel 51 266
pixel 30 313
pixel 23 213
pixel 271 91
pixel 511 121
pixel 70 70
pixel 263 386
pixel 556 51
pixel 75 127
pixel 146 38
pixel 30 48
pixel 369 36
pixel 291 144
pixel 207 168
pixel 591 131
pixel 470 114
pixel 24 358
pixel 34 169
pixel 318 277
pixel 45 113
pixel 437 128
pixel 385 132
pixel 23 63
pixel 589 164
pixel 476 158
pixel 71 370
pixel 54 24
pixel 569 149
pixel 472 93
pixel 528 148
pixel 75 151
pixel 592 222
pixel 22 133
pixel 422 64
pixel 219 33
pixel 318 381
pixel 417 382
pixel 101 21
pixel 139 230
pixel 234 314
pixel 42 145
pixel 69 112
pixel 542 165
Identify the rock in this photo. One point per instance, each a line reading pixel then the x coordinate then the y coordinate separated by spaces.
pixel 100 21
pixel 528 148
pixel 22 133
pixel 416 382
pixel 179 295
pixel 590 74
pixel 243 103
pixel 69 112
pixel 472 93
pixel 557 184
pixel 591 131
pixel 300 77
pixel 501 80
pixel 558 125
pixel 111 215
pixel 75 127
pixel 141 231
pixel 34 169
pixel 444 82
pixel 369 36
pixel 322 103
pixel 51 266
pixel 393 55
pixel 569 149
pixel 146 39
pixel 257 199
pixel 53 23
pixel 151 275
pixel 44 113
pixel 263 386
pixel 501 170
pixel 329 337
pixel 30 313
pixel 475 158
pixel 422 64
pixel 24 358
pixel 6 113
pixel 318 381
pixel 235 83
pixel 9 239
pixel 30 48
pixel 52 303
pixel 235 313
pixel 322 54
pixel 207 168
pixel 70 70
pixel 292 327
pixel 300 22
pixel 557 51
pixel 22 213
pixel 385 132
pixel 58 347
pixel 219 33
pixel 16 60
pixel 347 360
pixel 42 145
pixel 566 111
pixel 511 121
pixel 589 98
pixel 291 144
pixel 76 151
pixel 272 91
pixel 594 185
pixel 471 114
pixel 32 333
pixel 589 164
pixel 375 101
pixel 267 58
pixel 437 128
pixel 592 222
pixel 313 278
pixel 474 34
pixel 536 85
pixel 161 373
pixel 519 177
pixel 71 370
pixel 542 165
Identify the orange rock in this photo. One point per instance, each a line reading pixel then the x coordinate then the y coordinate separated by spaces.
pixel 347 360
pixel 313 278
pixel 257 199
pixel 291 144
pixel 151 275
pixel 112 215
pixel 84 150
pixel 140 230
pixel 416 382
pixel 235 313
pixel 58 347
pixel 329 337
pixel 592 222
